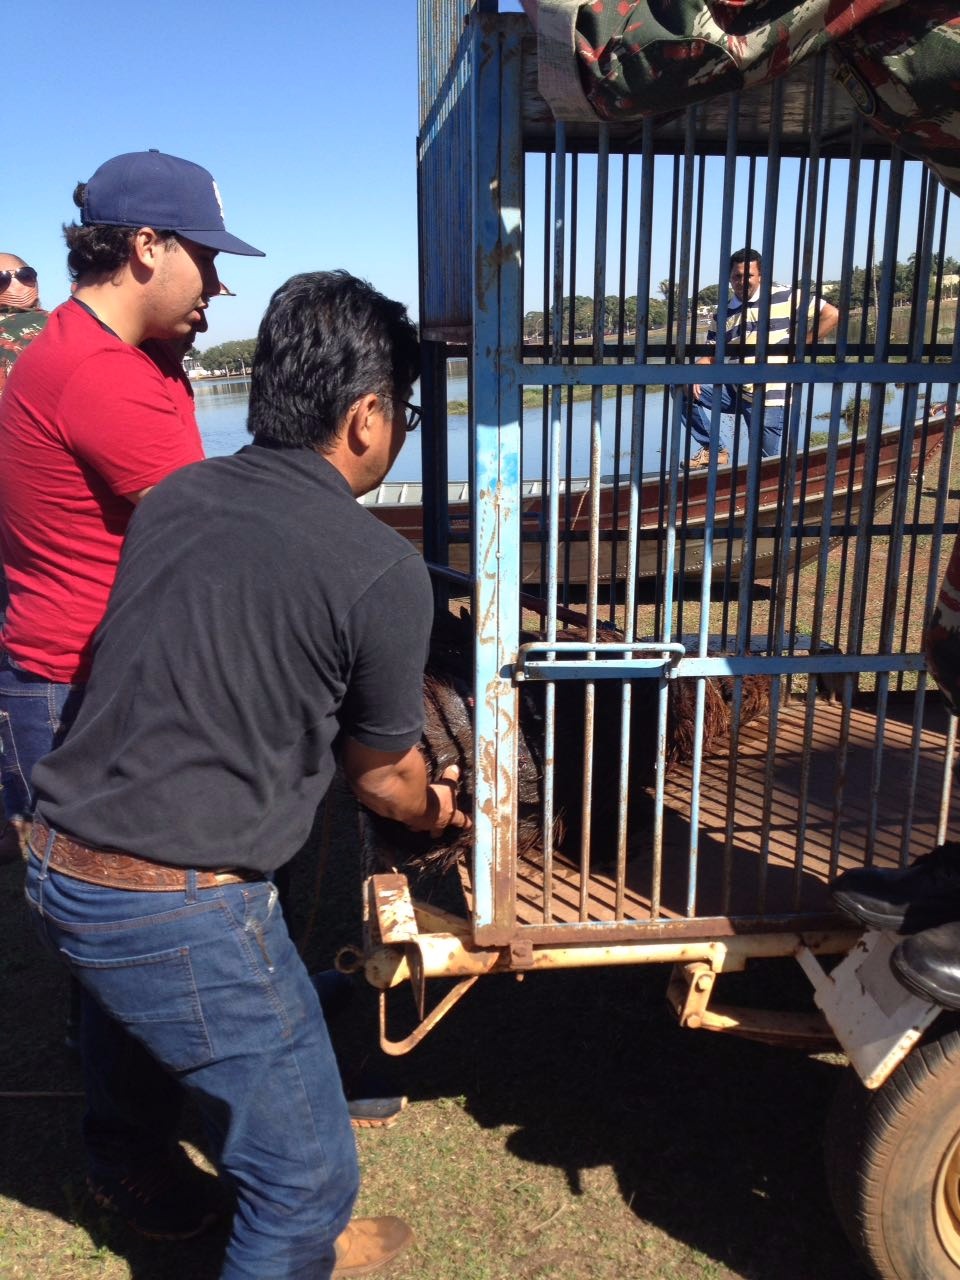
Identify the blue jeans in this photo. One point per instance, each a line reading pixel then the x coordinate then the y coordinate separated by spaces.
pixel 209 983
pixel 35 713
pixel 698 417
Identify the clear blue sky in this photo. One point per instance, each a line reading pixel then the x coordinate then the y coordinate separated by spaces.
pixel 305 111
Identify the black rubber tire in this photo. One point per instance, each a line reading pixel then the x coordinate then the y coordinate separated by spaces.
pixel 893 1162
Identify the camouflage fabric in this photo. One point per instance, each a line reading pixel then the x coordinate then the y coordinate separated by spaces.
pixel 900 62
pixel 903 73
pixel 17 330
pixel 640 58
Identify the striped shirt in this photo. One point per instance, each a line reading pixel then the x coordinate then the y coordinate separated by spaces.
pixel 743 325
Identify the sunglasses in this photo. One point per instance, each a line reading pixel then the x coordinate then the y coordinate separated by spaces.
pixel 25 275
pixel 413 414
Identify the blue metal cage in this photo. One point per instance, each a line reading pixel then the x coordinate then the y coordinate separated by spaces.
pixel 541 247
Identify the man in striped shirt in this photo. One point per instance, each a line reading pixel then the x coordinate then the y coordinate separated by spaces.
pixel 742 331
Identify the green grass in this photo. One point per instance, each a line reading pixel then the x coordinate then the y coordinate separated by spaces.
pixel 533 397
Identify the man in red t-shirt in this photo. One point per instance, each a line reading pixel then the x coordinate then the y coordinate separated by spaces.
pixel 88 424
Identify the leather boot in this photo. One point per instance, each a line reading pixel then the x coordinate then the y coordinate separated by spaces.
pixel 13 840
pixel 375 1113
pixel 368 1244
pixel 701 460
pixel 698 460
pixel 924 894
pixel 928 964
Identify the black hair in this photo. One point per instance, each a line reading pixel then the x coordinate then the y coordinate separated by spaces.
pixel 746 255
pixel 101 250
pixel 97 251
pixel 325 340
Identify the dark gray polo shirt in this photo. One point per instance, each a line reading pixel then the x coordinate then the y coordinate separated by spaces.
pixel 259 611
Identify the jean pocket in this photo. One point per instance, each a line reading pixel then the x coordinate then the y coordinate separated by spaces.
pixel 156 998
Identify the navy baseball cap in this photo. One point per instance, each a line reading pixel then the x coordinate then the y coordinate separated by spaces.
pixel 150 189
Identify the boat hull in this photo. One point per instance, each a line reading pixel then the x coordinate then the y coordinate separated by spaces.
pixel 857 481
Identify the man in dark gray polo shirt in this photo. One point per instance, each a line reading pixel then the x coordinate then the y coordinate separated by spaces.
pixel 261 621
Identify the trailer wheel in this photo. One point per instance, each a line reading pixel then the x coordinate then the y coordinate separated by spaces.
pixel 893 1162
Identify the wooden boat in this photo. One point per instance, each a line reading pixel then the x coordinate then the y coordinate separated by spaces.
pixel 399 505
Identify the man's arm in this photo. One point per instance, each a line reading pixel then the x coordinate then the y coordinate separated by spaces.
pixel 696 388
pixel 825 321
pixel 137 498
pixel 711 341
pixel 394 785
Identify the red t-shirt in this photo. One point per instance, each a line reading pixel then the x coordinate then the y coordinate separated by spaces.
pixel 84 419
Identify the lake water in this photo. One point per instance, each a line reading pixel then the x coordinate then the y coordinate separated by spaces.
pixel 222 414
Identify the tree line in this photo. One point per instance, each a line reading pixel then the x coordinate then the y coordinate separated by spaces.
pixel 230 357
pixel 864 289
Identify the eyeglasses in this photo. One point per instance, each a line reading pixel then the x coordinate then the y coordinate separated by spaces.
pixel 26 275
pixel 413 414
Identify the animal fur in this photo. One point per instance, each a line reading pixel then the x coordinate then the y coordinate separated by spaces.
pixel 448 739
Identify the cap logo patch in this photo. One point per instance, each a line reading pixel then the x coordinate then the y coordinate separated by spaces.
pixel 216 192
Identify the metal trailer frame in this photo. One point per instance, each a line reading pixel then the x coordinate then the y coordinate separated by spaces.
pixel 488 152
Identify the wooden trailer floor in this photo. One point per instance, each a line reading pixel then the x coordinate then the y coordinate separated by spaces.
pixel 769 871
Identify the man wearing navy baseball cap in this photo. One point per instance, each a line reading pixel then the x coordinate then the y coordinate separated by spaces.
pixel 88 424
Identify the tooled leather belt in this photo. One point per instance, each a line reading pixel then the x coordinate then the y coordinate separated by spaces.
pixel 118 870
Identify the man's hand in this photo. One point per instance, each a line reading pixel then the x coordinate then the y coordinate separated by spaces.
pixel 442 811
pixel 394 784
